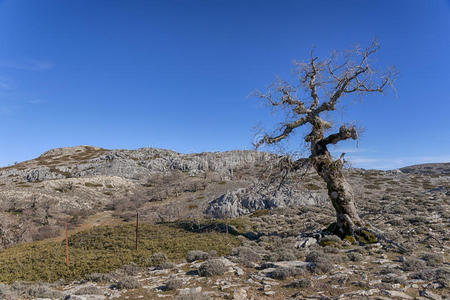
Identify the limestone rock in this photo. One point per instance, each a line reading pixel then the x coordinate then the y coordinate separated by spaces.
pixel 244 201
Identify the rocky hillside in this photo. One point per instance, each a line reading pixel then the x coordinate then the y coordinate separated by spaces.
pixel 272 239
pixel 70 184
pixel 428 169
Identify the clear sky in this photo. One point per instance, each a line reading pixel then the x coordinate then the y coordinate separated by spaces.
pixel 178 74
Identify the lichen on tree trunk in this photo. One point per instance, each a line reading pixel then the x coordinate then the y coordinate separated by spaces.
pixel 340 191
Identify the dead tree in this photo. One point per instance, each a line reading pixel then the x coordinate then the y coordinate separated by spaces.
pixel 321 86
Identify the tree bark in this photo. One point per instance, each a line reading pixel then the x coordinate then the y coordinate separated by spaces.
pixel 339 191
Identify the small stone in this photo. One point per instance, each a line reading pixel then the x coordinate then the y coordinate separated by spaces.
pixel 306 242
pixel 239 271
pixel 373 282
pixel 430 295
pixel 397 294
pixel 240 294
pixel 188 291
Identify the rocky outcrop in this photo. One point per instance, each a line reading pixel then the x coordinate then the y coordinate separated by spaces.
pixel 245 201
pixel 131 164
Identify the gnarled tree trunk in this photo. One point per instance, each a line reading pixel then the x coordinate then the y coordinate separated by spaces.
pixel 339 190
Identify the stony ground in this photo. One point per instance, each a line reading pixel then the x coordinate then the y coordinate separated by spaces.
pixel 285 254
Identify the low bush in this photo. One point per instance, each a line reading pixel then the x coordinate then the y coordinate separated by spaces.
pixel 246 254
pixel 193 295
pixel 6 293
pixel 314 256
pixel 194 255
pixel 439 275
pixel 283 273
pixel 99 277
pixel 89 290
pixel 126 283
pixel 282 255
pixel 412 264
pixel 300 284
pixel 131 269
pixel 173 284
pixel 212 267
pixel 433 259
pixel 166 265
pixel 320 267
pixel 157 259
pixel 35 290
pixel 353 256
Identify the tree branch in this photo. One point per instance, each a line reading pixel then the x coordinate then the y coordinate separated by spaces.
pixel 313 85
pixel 344 133
pixel 287 130
pixel 285 96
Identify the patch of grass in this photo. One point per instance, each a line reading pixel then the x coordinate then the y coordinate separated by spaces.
pixel 372 187
pixel 15 211
pixel 104 249
pixel 24 185
pixel 90 184
pixel 260 212
pixel 237 226
pixel 58 171
pixel 192 206
pixel 428 186
pixel 312 187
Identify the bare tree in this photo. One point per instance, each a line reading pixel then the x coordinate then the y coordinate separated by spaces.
pixel 321 85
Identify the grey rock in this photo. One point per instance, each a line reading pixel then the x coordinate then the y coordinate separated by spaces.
pixel 245 201
pixel 305 242
pixel 430 295
pixel 396 294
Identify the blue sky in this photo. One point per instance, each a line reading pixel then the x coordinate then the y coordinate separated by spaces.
pixel 178 74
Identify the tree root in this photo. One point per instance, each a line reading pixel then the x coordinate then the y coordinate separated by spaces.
pixel 366 235
pixel 382 238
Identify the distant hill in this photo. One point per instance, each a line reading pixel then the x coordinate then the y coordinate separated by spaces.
pixel 428 169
